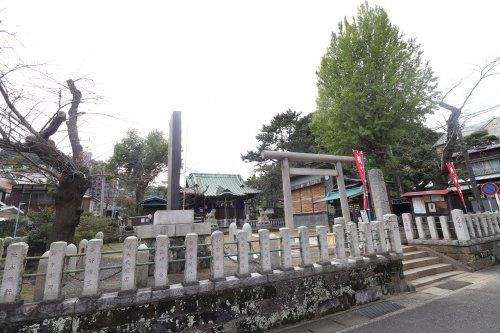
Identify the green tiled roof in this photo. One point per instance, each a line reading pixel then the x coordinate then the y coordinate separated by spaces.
pixel 350 192
pixel 215 184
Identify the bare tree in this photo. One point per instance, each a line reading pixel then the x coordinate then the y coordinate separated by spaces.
pixel 454 139
pixel 27 128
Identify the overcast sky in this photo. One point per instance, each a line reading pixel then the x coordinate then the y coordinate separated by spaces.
pixel 229 66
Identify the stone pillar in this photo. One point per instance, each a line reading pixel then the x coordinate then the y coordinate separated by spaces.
pixel 286 249
pixel 248 229
pixel 82 249
pixel 484 224
pixel 99 235
pixel 242 239
pixel 161 261
pixel 407 222
pixel 339 220
pixel 338 232
pixel 287 193
pixel 366 230
pixel 92 263
pixel 391 220
pixel 380 232
pixel 265 254
pixel 174 161
pixel 443 220
pixel 275 254
pixel 321 232
pixel 191 263
pixel 432 227
pixel 233 230
pixel 496 224
pixel 71 261
pixel 217 262
pixel 477 224
pixel 128 263
pixel 420 227
pixel 470 226
pixel 353 239
pixel 378 191
pixel 305 247
pixel 13 272
pixel 142 270
pixel 460 226
pixel 55 267
pixel 344 204
pixel 40 280
pixel 490 223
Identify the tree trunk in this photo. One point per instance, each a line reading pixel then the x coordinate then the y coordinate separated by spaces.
pixel 68 204
pixel 472 177
pixel 139 196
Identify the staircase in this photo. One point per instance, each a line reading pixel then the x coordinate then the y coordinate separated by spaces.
pixel 420 268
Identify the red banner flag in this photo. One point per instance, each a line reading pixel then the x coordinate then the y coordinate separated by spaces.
pixel 360 164
pixel 453 176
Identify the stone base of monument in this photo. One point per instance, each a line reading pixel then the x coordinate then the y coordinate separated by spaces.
pixel 176 224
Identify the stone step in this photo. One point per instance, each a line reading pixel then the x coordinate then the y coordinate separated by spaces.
pixel 433 278
pixel 407 249
pixel 420 262
pixel 419 272
pixel 414 255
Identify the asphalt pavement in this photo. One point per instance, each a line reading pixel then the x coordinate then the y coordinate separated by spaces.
pixel 474 306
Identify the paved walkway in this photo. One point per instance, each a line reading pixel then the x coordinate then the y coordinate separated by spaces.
pixel 434 308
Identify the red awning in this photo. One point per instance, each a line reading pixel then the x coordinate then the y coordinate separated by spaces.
pixel 421 193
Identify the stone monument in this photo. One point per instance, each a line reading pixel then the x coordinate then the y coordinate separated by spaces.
pixel 174 161
pixel 379 195
pixel 174 222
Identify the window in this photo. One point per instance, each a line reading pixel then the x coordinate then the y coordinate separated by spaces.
pixel 486 167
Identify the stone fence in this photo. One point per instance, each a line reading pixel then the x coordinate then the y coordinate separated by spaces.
pixel 355 252
pixel 470 238
pixel 273 223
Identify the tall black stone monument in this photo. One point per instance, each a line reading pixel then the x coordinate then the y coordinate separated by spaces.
pixel 174 161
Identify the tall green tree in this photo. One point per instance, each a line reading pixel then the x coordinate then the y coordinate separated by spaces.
pixel 373 88
pixel 287 131
pixel 137 161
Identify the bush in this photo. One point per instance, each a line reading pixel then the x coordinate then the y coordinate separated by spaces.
pixel 90 225
pixel 39 229
pixel 7 227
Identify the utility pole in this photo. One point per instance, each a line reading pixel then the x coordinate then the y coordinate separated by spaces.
pixel 17 217
pixel 103 187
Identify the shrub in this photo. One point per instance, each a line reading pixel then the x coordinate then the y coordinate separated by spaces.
pixel 90 225
pixel 38 230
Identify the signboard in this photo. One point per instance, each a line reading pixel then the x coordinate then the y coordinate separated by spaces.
pixel 364 216
pixel 489 189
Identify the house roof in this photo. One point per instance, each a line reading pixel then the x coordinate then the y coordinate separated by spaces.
pixel 214 185
pixel 154 200
pixel 422 193
pixel 350 192
pixel 466 130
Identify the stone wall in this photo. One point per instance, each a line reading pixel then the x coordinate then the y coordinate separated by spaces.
pixel 472 239
pixel 252 304
pixel 477 256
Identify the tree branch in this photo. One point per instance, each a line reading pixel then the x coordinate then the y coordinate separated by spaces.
pixel 72 121
pixel 53 125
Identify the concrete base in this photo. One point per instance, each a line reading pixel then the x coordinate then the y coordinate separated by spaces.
pixel 477 253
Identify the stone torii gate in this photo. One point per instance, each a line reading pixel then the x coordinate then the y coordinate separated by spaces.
pixel 287 156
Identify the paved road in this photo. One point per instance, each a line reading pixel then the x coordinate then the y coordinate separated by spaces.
pixel 474 308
